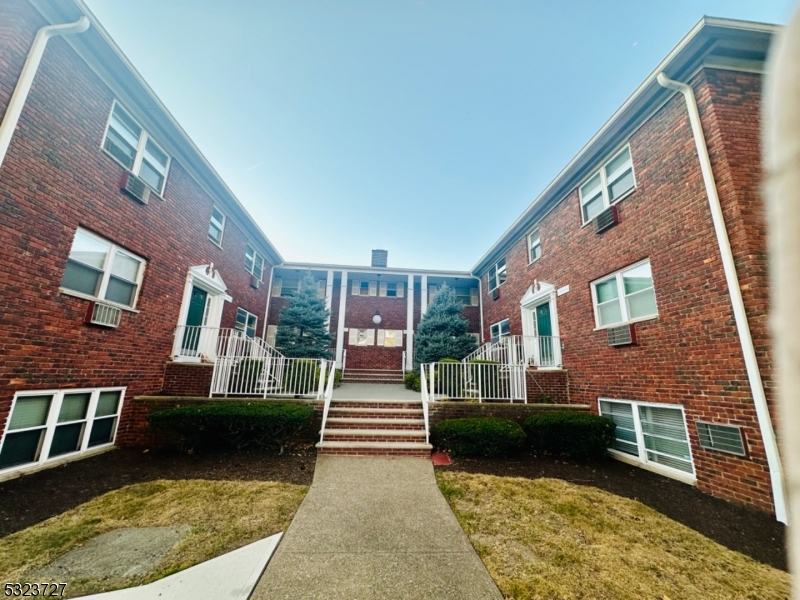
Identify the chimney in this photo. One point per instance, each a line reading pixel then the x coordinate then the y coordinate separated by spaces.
pixel 379 258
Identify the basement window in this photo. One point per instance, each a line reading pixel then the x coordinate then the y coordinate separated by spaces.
pixel 98 269
pixel 651 434
pixel 608 185
pixel 133 148
pixel 45 425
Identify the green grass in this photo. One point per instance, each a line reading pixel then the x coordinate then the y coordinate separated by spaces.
pixel 549 539
pixel 223 516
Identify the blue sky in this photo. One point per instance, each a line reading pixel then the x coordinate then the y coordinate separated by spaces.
pixel 424 127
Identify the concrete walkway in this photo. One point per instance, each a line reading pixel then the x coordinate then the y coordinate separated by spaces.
pixel 374 391
pixel 375 528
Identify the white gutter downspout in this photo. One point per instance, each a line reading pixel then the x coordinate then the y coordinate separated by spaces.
pixel 266 309
pixel 20 95
pixel 739 314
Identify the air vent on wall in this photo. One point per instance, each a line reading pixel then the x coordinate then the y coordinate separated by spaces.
pixel 621 336
pixel 254 282
pixel 136 187
pixel 103 315
pixel 496 294
pixel 606 219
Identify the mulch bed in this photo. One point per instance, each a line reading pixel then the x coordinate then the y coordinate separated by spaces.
pixel 33 498
pixel 738 528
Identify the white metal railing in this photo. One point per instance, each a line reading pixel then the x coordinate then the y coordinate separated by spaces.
pixel 495 382
pixel 425 400
pixel 328 396
pixel 403 364
pixel 195 342
pixel 529 350
pixel 344 360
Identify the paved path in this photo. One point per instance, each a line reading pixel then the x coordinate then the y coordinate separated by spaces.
pixel 375 528
pixel 374 391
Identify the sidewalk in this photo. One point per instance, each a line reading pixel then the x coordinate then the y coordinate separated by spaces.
pixel 375 528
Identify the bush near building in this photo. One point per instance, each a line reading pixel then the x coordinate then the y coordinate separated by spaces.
pixel 486 437
pixel 576 435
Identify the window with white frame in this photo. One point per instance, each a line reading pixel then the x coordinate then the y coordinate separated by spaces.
pixel 497 274
pixel 625 297
pixel 390 289
pixel 99 269
pixel 134 149
pixel 254 263
pixel 468 296
pixel 247 322
pixel 217 226
pixel 654 434
pixel 500 330
pixel 390 338
pixel 272 331
pixel 534 246
pixel 364 288
pixel 607 185
pixel 45 425
pixel 361 337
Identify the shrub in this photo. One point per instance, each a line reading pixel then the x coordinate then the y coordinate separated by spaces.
pixel 245 375
pixel 301 377
pixel 487 437
pixel 412 381
pixel 236 424
pixel 576 435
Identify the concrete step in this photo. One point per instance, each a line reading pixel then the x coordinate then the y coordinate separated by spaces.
pixel 378 413
pixel 374 423
pixel 418 449
pixel 374 435
pixel 373 404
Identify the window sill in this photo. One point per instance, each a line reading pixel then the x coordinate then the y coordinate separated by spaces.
pixel 19 471
pixel 622 324
pixel 75 294
pixel 534 261
pixel 213 242
pixel 682 476
pixel 153 192
pixel 617 201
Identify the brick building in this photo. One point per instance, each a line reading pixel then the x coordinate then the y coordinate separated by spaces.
pixel 635 283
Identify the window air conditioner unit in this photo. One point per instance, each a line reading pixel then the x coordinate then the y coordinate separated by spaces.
pixel 621 336
pixel 103 315
pixel 254 282
pixel 606 219
pixel 496 294
pixel 136 187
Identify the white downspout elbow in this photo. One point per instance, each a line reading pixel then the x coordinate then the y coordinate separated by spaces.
pixel 20 95
pixel 735 292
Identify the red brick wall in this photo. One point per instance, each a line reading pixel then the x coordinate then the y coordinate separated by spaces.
pixel 552 384
pixel 358 314
pixel 690 354
pixel 187 379
pixel 56 178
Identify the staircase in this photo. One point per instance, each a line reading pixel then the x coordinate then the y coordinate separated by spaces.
pixel 375 428
pixel 372 376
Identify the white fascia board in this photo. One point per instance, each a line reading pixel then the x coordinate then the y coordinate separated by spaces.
pixel 375 270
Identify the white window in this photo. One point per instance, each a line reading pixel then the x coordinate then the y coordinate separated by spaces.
pixel 608 185
pixel 390 338
pixel 247 322
pixel 98 269
pixel 390 289
pixel 364 288
pixel 216 227
pixel 272 331
pixel 135 150
pixel 361 337
pixel 654 434
pixel 497 274
pixel 500 330
pixel 254 263
pixel 625 297
pixel 534 246
pixel 45 425
pixel 467 296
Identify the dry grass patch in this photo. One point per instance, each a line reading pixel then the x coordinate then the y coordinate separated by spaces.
pixel 223 516
pixel 547 538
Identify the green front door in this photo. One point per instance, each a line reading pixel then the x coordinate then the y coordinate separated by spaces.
pixel 194 320
pixel 544 329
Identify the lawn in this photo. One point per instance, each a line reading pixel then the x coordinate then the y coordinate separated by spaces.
pixel 549 539
pixel 222 515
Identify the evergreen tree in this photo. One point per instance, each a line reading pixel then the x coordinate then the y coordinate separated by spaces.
pixel 303 325
pixel 442 332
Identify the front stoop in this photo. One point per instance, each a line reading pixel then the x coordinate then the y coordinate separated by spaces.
pixel 375 428
pixel 372 376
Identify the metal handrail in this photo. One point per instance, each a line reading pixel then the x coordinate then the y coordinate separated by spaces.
pixel 425 400
pixel 328 397
pixel 474 381
pixel 529 350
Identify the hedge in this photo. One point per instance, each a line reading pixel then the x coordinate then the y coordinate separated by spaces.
pixel 481 436
pixel 576 435
pixel 236 424
pixel 412 381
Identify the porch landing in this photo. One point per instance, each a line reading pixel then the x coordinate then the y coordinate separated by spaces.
pixel 375 528
pixel 374 391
